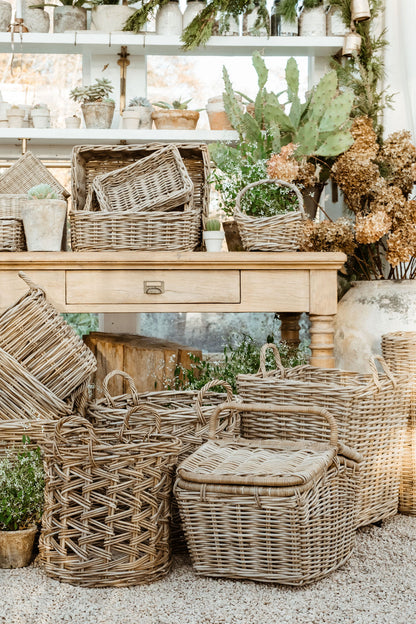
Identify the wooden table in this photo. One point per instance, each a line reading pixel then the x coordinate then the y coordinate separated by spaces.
pixel 185 282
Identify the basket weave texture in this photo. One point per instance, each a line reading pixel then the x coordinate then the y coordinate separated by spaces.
pixel 399 350
pixel 107 504
pixel 35 334
pixel 276 233
pixel 26 172
pixel 370 410
pixel 269 510
pixel 12 432
pixel 11 204
pixel 12 236
pixel 158 182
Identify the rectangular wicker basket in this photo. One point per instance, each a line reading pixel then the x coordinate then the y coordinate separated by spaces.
pixel 11 204
pixel 12 236
pixel 107 504
pixel 370 410
pixel 26 172
pixel 279 511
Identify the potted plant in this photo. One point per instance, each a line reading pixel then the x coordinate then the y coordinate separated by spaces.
pixel 70 16
pixel 5 15
pixel 34 17
pixel 213 235
pixel 109 15
pixel 97 108
pixel 21 504
pixel 72 122
pixel 175 116
pixel 15 116
pixel 44 217
pixel 138 114
pixel 312 19
pixel 41 116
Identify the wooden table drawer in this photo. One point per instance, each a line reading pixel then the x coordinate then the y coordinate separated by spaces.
pixel 153 286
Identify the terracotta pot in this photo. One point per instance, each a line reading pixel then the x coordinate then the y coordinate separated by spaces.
pixel 98 114
pixel 175 119
pixel 232 236
pixel 16 547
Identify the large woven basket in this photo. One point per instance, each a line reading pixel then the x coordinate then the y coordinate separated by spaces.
pixel 159 182
pixel 276 233
pixel 34 333
pixel 32 432
pixel 399 350
pixel 370 410
pixel 26 172
pixel 107 504
pixel 280 511
pixel 12 236
pixel 11 204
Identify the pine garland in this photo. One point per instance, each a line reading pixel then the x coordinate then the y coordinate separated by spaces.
pixel 288 9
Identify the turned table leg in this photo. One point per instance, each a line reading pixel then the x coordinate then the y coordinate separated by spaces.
pixel 322 341
pixel 289 328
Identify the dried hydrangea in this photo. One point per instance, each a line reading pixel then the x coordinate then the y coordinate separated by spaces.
pixel 355 173
pixel 400 246
pixel 365 139
pixel 283 166
pixel 307 174
pixel 398 157
pixel 328 236
pixel 372 227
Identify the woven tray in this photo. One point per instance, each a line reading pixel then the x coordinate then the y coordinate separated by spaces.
pixel 26 172
pixel 399 350
pixel 277 233
pixel 269 510
pixel 34 333
pixel 107 504
pixel 11 204
pixel 12 236
pixel 370 410
pixel 158 182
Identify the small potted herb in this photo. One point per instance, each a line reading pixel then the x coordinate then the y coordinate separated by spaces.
pixel 21 504
pixel 175 116
pixel 213 235
pixel 138 114
pixel 43 218
pixel 97 108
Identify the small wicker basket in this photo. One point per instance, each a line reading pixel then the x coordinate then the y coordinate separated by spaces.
pixel 26 172
pixel 107 503
pixel 11 204
pixel 279 511
pixel 12 236
pixel 276 233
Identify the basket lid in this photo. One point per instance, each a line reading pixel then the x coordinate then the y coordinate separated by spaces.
pixel 258 463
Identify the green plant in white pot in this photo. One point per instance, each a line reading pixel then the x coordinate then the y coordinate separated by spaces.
pixel 96 105
pixel 138 114
pixel 44 216
pixel 213 235
pixel 21 504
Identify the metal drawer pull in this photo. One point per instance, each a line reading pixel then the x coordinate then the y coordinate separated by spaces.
pixel 154 288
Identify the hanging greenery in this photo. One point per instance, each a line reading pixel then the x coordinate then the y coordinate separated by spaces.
pixel 289 8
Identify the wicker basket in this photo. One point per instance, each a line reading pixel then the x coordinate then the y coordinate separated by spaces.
pixel 280 511
pixel 26 172
pixel 370 411
pixel 107 504
pixel 277 233
pixel 11 204
pixel 13 432
pixel 158 182
pixel 12 236
pixel 399 350
pixel 34 333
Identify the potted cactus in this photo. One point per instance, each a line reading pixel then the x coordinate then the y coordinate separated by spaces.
pixel 138 114
pixel 175 116
pixel 213 235
pixel 44 216
pixel 97 108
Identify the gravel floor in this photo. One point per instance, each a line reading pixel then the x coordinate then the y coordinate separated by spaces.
pixel 378 584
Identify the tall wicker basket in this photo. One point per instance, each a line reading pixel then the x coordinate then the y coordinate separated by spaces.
pixel 280 511
pixel 370 410
pixel 107 504
pixel 399 349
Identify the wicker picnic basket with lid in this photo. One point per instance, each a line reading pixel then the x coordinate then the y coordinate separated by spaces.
pixel 160 181
pixel 370 410
pixel 26 172
pixel 277 510
pixel 107 503
pixel 35 334
pixel 12 236
pixel 399 350
pixel 276 233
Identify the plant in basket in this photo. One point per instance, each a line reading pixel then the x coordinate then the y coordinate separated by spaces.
pixel 96 105
pixel 21 503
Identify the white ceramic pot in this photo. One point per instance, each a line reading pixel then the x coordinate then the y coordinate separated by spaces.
pixel 137 117
pixel 16 117
pixel 249 25
pixel 213 240
pixel 41 117
pixel 169 19
pixel 69 18
pixel 335 26
pixel 4 123
pixel 5 15
pixel 98 114
pixel 43 222
pixel 35 20
pixel 72 122
pixel 193 8
pixel 366 312
pixel 110 17
pixel 16 547
pixel 312 22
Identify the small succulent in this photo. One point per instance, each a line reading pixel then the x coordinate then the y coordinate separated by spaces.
pixel 176 104
pixel 97 92
pixel 212 225
pixel 139 101
pixel 42 191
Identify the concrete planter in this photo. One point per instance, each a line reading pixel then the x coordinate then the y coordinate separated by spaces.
pixel 43 222
pixel 5 15
pixel 16 117
pixel 35 20
pixel 136 117
pixel 41 117
pixel 110 17
pixel 174 119
pixel 98 114
pixel 69 18
pixel 16 547
pixel 72 122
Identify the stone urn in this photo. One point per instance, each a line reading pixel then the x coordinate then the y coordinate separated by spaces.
pixel 98 114
pixel 69 18
pixel 366 312
pixel 16 547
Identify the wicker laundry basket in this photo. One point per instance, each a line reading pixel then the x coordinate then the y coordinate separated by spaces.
pixel 281 510
pixel 12 236
pixel 26 172
pixel 107 504
pixel 399 350
pixel 370 411
pixel 276 233
pixel 159 182
pixel 34 333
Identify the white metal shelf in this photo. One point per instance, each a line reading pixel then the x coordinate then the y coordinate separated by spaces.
pixel 81 42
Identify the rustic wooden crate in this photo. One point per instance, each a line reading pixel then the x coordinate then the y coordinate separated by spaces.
pixel 151 362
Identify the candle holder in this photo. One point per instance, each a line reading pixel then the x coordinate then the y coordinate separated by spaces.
pixel 18 26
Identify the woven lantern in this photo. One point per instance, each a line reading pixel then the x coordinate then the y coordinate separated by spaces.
pixel 360 10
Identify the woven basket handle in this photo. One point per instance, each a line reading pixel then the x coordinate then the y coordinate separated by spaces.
pixel 143 408
pixel 200 396
pixel 288 185
pixel 279 365
pixel 272 408
pixel 74 425
pixel 133 389
pixel 29 282
pixel 386 369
